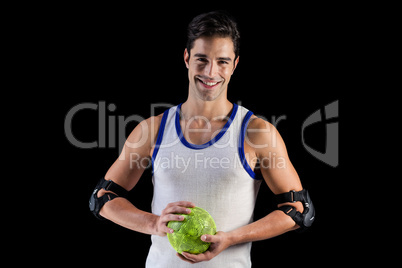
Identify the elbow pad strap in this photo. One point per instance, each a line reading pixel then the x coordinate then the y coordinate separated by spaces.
pixel 99 202
pixel 294 214
pixel 305 219
pixel 111 186
pixel 96 203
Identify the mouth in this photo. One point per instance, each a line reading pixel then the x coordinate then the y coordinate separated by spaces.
pixel 209 83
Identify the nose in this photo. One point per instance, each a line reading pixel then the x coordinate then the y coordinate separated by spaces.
pixel 211 69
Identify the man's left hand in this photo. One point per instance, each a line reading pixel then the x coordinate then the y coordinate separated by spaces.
pixel 219 242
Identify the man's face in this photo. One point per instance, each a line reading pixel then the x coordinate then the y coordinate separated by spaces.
pixel 210 67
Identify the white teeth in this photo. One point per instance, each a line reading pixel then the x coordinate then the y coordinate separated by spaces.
pixel 209 84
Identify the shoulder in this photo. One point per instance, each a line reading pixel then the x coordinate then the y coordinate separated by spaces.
pixel 258 123
pixel 258 127
pixel 262 134
pixel 153 123
pixel 145 133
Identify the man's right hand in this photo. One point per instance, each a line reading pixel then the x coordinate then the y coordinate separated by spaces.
pixel 169 214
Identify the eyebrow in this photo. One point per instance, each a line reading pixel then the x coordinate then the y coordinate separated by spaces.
pixel 199 55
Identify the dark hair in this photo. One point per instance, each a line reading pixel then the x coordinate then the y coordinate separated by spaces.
pixel 215 23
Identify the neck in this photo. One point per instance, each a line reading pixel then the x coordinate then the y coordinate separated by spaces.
pixel 208 109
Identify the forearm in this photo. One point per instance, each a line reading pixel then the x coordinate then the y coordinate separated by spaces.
pixel 123 212
pixel 274 224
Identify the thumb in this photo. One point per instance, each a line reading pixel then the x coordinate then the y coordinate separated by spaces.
pixel 208 238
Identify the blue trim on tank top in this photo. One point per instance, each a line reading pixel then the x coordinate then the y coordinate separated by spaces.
pixel 241 145
pixel 213 140
pixel 159 138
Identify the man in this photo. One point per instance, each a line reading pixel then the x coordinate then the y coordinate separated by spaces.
pixel 204 152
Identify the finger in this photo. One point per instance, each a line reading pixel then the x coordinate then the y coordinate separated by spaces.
pixel 186 204
pixel 184 258
pixel 172 217
pixel 166 229
pixel 162 226
pixel 197 257
pixel 209 238
pixel 177 210
pixel 189 256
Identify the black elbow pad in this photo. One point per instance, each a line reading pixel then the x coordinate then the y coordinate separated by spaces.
pixel 305 219
pixel 96 203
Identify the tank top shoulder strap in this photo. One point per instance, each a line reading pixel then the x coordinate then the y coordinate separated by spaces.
pixel 160 134
pixel 245 119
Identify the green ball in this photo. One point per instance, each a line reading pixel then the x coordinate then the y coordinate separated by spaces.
pixel 187 233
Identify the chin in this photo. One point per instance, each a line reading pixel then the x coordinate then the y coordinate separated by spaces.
pixel 208 95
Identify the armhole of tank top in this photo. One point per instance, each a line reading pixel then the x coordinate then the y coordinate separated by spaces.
pixel 241 145
pixel 160 136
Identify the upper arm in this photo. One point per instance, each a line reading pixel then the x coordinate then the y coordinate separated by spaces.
pixel 136 154
pixel 269 148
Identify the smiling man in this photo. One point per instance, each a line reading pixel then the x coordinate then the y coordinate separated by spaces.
pixel 204 153
pixel 211 67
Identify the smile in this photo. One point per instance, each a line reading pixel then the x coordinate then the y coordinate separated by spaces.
pixel 209 84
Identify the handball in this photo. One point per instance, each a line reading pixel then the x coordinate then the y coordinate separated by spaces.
pixel 187 233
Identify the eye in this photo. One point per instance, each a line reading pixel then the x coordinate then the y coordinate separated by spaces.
pixel 223 62
pixel 202 59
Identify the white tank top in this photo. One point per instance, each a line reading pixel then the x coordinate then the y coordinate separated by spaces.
pixel 214 176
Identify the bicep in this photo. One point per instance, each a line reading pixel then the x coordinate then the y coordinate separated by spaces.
pixel 277 169
pixel 270 150
pixel 135 156
pixel 125 171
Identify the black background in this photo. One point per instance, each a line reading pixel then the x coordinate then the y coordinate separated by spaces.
pixel 292 63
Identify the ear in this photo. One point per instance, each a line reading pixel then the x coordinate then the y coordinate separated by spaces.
pixel 186 57
pixel 235 64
